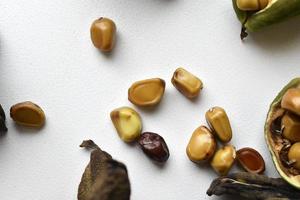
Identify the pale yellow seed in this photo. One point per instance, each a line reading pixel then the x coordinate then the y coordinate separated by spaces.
pixel 147 92
pixel 127 122
pixel 201 146
pixel 28 114
pixel 218 120
pixel 224 159
pixel 187 83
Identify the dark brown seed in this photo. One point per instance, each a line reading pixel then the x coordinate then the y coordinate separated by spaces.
pixel 251 160
pixel 104 178
pixel 154 146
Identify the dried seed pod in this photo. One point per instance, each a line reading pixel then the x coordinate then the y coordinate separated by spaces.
pixel 252 5
pixel 127 122
pixel 186 83
pixel 103 34
pixel 154 146
pixel 291 100
pixel 291 127
pixel 224 159
pixel 251 160
pixel 104 178
pixel 28 114
pixel 218 121
pixel 294 155
pixel 201 146
pixel 3 127
pixel 253 186
pixel 147 92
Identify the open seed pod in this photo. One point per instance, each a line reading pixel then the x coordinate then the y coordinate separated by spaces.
pixel 278 145
pixel 275 11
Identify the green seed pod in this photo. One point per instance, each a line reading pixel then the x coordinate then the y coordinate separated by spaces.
pixel 279 142
pixel 276 11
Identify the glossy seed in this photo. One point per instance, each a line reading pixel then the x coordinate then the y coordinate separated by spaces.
pixel 201 146
pixel 28 114
pixel 252 5
pixel 294 155
pixel 154 146
pixel 127 122
pixel 291 100
pixel 224 159
pixel 217 119
pixel 186 83
pixel 147 92
pixel 103 34
pixel 251 160
pixel 291 127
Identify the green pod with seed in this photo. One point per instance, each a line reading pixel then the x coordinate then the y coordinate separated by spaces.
pixel 276 11
pixel 278 145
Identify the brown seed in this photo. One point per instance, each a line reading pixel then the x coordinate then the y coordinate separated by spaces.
pixel 224 159
pixel 154 146
pixel 202 145
pixel 103 34
pixel 251 160
pixel 291 127
pixel 218 121
pixel 147 92
pixel 186 83
pixel 28 114
pixel 291 100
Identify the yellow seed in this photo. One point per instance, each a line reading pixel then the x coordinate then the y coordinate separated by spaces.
pixel 291 127
pixel 291 100
pixel 224 159
pixel 294 155
pixel 218 120
pixel 186 83
pixel 103 34
pixel 201 146
pixel 147 92
pixel 252 5
pixel 28 114
pixel 127 122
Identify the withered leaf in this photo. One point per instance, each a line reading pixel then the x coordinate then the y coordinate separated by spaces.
pixel 104 178
pixel 253 186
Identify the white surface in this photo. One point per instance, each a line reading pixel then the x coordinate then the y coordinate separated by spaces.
pixel 46 56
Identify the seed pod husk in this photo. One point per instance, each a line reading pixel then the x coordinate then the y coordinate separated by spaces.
pixel 251 160
pixel 28 114
pixel 218 121
pixel 202 145
pixel 253 186
pixel 147 93
pixel 277 144
pixel 103 34
pixel 104 178
pixel 3 127
pixel 276 11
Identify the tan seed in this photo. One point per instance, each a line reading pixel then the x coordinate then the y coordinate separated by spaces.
pixel 224 159
pixel 294 155
pixel 218 120
pixel 252 5
pixel 127 122
pixel 28 114
pixel 201 146
pixel 291 100
pixel 186 83
pixel 103 34
pixel 147 92
pixel 291 127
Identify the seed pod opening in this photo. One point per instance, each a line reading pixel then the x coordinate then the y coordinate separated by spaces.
pixel 147 92
pixel 251 160
pixel 218 121
pixel 103 34
pixel 28 114
pixel 201 146
pixel 127 122
pixel 278 145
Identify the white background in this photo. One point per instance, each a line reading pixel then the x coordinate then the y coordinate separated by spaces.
pixel 46 56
